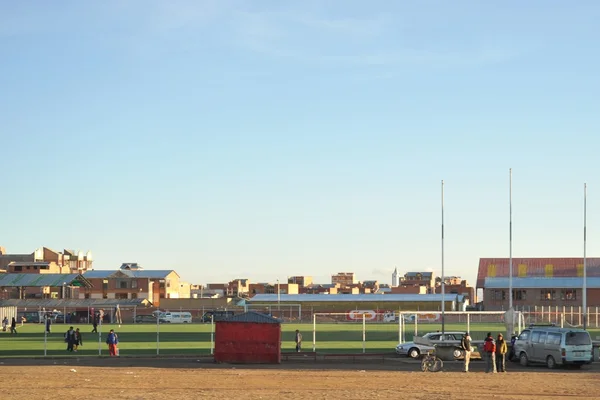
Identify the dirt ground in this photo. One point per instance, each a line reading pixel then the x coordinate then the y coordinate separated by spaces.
pixel 166 380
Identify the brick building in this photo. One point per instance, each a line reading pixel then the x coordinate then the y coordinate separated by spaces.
pixel 301 281
pixel 46 260
pixel 554 282
pixel 132 282
pixel 425 279
pixel 456 285
pixel 343 279
pixel 271 288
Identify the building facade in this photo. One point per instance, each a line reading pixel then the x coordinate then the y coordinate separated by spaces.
pixel 343 279
pixel 67 261
pixel 556 282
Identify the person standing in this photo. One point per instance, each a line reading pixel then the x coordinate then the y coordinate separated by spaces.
pixel 70 339
pixel 489 348
pixel 465 344
pixel 13 326
pixel 95 323
pixel 298 341
pixel 112 340
pixel 501 349
pixel 48 323
pixel 78 340
pixel 4 324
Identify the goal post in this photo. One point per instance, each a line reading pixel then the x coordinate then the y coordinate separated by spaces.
pixel 475 322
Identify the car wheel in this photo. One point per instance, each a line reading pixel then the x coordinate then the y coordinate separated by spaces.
pixel 524 360
pixel 414 353
pixel 458 353
pixel 550 362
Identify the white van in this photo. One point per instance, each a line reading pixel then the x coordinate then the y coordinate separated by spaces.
pixel 554 346
pixel 176 317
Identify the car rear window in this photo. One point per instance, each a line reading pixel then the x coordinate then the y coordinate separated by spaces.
pixel 577 338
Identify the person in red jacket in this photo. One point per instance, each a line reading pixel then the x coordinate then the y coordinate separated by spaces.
pixel 112 340
pixel 489 350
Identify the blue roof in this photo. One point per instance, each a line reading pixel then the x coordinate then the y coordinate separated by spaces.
pixel 541 283
pixel 151 274
pixel 252 317
pixel 349 298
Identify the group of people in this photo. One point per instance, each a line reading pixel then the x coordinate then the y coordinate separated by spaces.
pixel 12 325
pixel 73 339
pixel 494 352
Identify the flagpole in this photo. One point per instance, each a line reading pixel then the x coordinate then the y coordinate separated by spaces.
pixel 443 278
pixel 584 256
pixel 510 260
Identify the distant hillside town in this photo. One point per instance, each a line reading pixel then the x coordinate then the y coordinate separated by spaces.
pixel 67 277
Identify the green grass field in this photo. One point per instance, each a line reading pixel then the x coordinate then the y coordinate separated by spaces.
pixel 195 339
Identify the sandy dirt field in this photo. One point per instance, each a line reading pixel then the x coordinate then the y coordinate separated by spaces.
pixel 165 381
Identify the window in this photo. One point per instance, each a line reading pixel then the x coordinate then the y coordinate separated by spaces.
pixel 535 337
pixel 542 337
pixel 519 294
pixel 498 295
pixel 434 337
pixel 548 294
pixel 569 294
pixel 18 268
pixel 134 284
pixel 524 335
pixel 553 338
pixel 123 284
pixel 134 295
pixel 577 338
pixel 87 296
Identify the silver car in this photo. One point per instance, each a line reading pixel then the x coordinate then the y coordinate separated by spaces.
pixel 415 350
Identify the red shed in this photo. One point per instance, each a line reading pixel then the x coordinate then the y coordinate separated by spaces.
pixel 248 338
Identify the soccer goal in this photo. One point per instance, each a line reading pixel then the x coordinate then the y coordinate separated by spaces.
pixel 477 323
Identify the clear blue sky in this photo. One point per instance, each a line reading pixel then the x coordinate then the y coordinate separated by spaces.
pixel 264 139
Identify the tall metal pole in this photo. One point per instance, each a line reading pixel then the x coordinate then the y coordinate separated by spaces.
pixel 584 256
pixel 443 276
pixel 278 298
pixel 510 260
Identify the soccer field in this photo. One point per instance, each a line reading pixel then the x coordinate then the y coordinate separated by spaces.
pixel 195 339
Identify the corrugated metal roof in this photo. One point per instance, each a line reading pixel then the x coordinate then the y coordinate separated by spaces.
pixel 349 298
pixel 253 317
pixel 535 267
pixel 151 274
pixel 542 283
pixel 36 280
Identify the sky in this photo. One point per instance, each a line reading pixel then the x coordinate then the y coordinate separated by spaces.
pixel 266 139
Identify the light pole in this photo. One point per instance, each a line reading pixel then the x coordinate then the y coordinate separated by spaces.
pixel 443 278
pixel 584 256
pixel 278 297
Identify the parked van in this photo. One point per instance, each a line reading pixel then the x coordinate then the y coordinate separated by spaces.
pixel 176 317
pixel 554 346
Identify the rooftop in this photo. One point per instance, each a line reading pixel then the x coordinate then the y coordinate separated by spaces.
pixel 148 274
pixel 535 267
pixel 42 280
pixel 352 298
